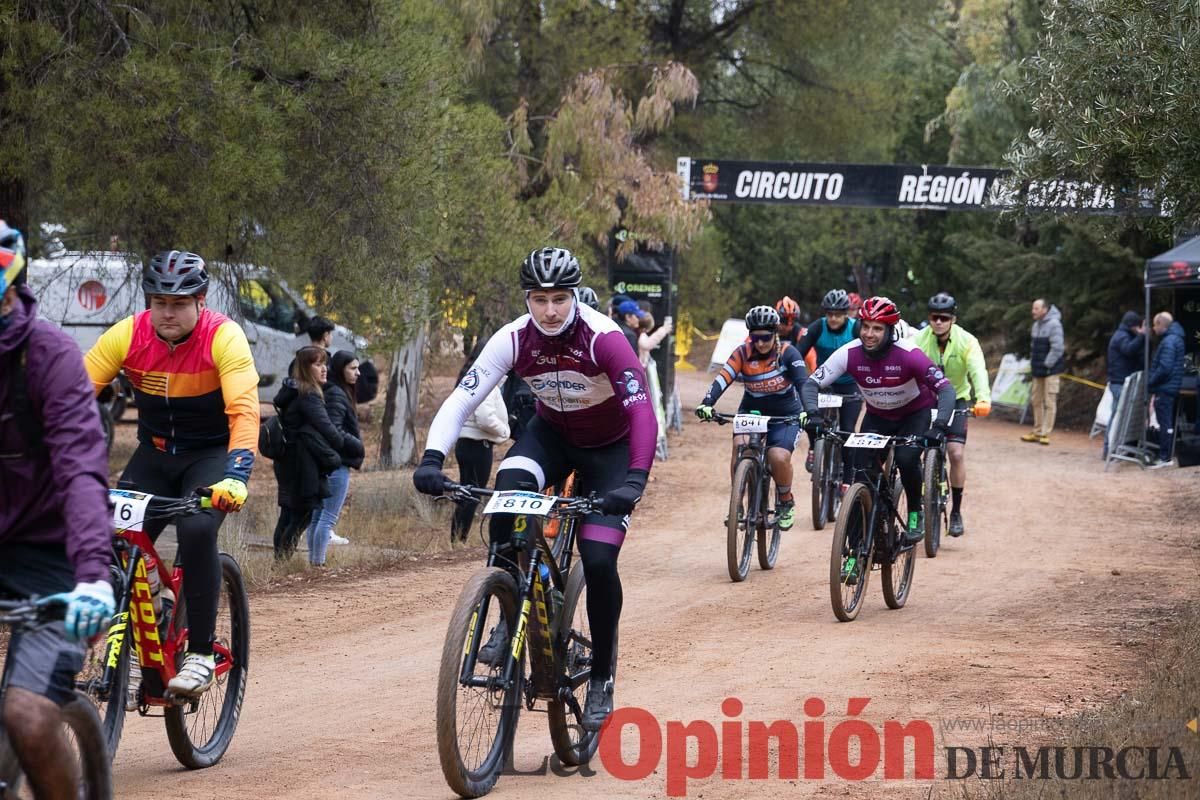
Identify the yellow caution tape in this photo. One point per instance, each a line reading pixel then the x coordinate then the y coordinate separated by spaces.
pixel 1084 381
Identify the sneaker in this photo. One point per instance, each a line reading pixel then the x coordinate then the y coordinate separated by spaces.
pixel 808 461
pixel 335 539
pixel 195 676
pixel 785 515
pixel 850 571
pixel 1164 464
pixel 496 646
pixel 916 527
pixel 1043 440
pixel 1031 437
pixel 956 525
pixel 599 704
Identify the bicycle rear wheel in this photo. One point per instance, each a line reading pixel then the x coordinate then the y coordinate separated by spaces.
pixel 476 723
pixel 739 533
pixel 572 636
pixel 88 752
pixel 845 597
pixel 834 481
pixel 820 500
pixel 931 500
pixel 897 570
pixel 767 538
pixel 201 730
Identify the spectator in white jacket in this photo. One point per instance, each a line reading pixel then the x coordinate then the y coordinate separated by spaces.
pixel 485 428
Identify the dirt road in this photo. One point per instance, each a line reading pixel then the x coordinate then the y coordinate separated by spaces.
pixel 1026 616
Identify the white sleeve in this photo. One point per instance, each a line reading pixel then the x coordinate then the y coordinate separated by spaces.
pixel 485 374
pixel 833 368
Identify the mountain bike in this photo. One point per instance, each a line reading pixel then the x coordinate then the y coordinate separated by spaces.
pixel 870 529
pixel 545 616
pixel 935 491
pixel 154 626
pixel 751 497
pixel 827 464
pixel 84 734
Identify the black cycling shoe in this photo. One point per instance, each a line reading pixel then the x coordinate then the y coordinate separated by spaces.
pixel 496 646
pixel 599 704
pixel 956 525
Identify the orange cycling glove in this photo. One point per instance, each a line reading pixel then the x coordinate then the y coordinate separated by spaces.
pixel 983 408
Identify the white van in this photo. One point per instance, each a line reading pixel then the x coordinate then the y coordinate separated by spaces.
pixel 86 293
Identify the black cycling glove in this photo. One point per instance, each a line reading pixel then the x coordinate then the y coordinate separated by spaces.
pixel 429 478
pixel 619 502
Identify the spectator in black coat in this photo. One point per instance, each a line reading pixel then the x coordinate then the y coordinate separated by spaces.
pixel 314 448
pixel 343 415
pixel 1125 350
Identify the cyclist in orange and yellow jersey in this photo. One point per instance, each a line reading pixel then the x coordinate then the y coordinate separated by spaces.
pixel 196 392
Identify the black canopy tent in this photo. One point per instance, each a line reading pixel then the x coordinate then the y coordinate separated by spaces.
pixel 1178 268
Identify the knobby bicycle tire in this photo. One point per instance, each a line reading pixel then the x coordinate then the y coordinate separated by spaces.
pixel 833 481
pixel 87 738
pixel 819 499
pixel 184 721
pixel 847 600
pixel 739 534
pixel 896 573
pixel 768 538
pixel 573 651
pixel 110 704
pixel 471 780
pixel 931 501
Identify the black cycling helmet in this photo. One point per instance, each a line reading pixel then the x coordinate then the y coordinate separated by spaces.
pixel 177 273
pixel 550 268
pixel 587 296
pixel 762 318
pixel 836 300
pixel 943 302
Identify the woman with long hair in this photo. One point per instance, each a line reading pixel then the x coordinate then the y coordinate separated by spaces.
pixel 343 415
pixel 313 451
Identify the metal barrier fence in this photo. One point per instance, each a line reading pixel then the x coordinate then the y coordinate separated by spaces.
pixel 1127 428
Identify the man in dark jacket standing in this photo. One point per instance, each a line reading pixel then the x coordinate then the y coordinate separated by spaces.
pixel 1166 377
pixel 1046 364
pixel 55 529
pixel 1124 358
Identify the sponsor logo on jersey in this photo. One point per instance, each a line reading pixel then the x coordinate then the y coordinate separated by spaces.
pixel 542 384
pixel 631 382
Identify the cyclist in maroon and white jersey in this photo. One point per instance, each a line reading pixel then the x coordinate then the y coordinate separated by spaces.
pixel 594 416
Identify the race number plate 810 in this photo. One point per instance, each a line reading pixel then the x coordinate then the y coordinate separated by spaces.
pixel 872 441
pixel 749 423
pixel 129 509
pixel 520 503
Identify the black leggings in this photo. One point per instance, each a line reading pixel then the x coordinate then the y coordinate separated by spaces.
pixel 474 467
pixel 543 458
pixel 292 521
pixel 178 475
pixel 908 458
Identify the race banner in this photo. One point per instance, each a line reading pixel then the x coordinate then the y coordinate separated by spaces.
pixel 941 188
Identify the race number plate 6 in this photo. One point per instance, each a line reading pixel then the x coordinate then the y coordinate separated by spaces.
pixel 520 503
pixel 749 423
pixel 129 509
pixel 872 441
pixel 829 401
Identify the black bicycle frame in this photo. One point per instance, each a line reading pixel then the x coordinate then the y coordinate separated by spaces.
pixel 881 492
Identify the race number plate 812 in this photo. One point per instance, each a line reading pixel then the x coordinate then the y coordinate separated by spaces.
pixel 749 423
pixel 520 503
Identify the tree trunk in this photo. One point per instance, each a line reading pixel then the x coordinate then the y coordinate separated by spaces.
pixel 399 444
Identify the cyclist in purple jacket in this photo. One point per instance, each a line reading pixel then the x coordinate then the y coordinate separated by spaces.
pixel 55 530
pixel 593 416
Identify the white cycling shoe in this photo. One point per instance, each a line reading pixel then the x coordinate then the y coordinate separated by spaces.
pixel 195 677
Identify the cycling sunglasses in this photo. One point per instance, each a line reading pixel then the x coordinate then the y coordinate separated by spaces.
pixel 762 337
pixel 940 318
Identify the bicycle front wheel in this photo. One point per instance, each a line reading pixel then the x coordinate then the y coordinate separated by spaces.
pixel 572 636
pixel 116 648
pixel 476 711
pixel 88 755
pixel 739 531
pixel 819 500
pixel 897 570
pixel 931 501
pixel 848 580
pixel 201 730
pixel 767 537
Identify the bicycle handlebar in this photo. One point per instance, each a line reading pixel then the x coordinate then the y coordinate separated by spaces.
pixel 31 611
pixel 563 506
pixel 721 418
